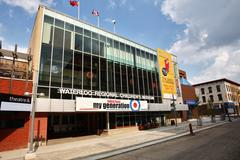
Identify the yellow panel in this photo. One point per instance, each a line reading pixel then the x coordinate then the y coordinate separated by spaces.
pixel 166 72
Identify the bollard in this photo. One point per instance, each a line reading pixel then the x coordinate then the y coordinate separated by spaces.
pixel 190 129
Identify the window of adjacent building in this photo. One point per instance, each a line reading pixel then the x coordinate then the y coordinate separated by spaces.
pixel 218 88
pixel 202 91
pixel 220 97
pixel 211 98
pixel 87 44
pixel 203 98
pixel 209 89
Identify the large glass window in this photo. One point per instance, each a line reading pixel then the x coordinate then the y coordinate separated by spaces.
pixel 78 42
pixel 141 84
pixel 77 70
pixel 130 80
pixel 87 44
pixel 103 67
pixel 95 47
pixel 87 74
pixel 57 58
pixel 110 77
pixel 135 76
pixel 44 72
pixel 47 30
pixel 150 83
pixel 68 40
pixel 116 51
pixel 67 68
pixel 78 30
pixel 95 73
pixel 118 77
pixel 146 82
pixel 124 79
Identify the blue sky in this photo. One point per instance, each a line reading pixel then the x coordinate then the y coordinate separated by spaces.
pixel 204 35
pixel 140 21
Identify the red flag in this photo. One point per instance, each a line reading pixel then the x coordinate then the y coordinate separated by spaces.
pixel 73 3
pixel 95 12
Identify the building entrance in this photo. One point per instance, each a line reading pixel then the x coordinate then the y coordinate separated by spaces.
pixel 75 124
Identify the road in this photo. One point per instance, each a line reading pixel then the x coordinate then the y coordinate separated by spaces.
pixel 219 143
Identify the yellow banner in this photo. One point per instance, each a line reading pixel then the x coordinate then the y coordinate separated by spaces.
pixel 166 73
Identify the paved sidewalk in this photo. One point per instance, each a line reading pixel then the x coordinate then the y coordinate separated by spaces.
pixel 104 144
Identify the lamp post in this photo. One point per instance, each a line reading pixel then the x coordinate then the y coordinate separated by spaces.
pixel 173 105
pixel 30 153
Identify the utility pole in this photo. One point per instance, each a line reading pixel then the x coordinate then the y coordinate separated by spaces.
pixel 173 106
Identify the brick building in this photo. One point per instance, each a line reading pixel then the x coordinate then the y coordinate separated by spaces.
pixel 188 94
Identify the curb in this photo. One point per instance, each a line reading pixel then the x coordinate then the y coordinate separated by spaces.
pixel 142 145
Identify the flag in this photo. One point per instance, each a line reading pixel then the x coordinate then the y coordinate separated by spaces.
pixel 73 3
pixel 114 21
pixel 95 12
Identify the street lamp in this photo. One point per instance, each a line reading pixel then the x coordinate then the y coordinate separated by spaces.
pixel 30 153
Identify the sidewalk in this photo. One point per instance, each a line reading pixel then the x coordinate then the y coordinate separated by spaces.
pixel 105 144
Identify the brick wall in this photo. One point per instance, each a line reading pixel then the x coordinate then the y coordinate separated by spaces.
pixel 19 86
pixel 14 138
pixel 40 127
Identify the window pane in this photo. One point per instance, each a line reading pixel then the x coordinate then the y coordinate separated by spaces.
pixel 95 73
pixel 130 80
pixel 118 77
pixel 87 74
pixel 78 42
pixel 102 38
pixel 68 40
pixel 44 90
pixel 67 69
pixel 87 45
pixel 103 68
pixel 77 70
pixel 95 47
pixel 95 35
pixel 54 93
pixel 59 23
pixel 69 26
pixel 44 71
pixel 47 33
pixel 140 81
pixel 48 19
pixel 136 91
pixel 124 79
pixel 102 46
pixel 87 33
pixel 110 77
pixel 78 30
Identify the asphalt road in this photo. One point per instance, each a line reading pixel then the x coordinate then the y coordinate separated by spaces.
pixel 219 143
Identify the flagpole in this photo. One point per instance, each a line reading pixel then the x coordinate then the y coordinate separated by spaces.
pixel 78 9
pixel 113 27
pixel 98 21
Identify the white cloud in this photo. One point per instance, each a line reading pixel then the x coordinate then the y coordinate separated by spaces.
pixel 29 6
pixel 210 46
pixel 131 8
pixel 116 3
pixel 111 4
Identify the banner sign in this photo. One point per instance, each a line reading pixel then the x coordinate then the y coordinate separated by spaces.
pixel 9 102
pixel 83 92
pixel 101 104
pixel 166 73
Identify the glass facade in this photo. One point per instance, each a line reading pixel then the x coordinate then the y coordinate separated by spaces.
pixel 75 57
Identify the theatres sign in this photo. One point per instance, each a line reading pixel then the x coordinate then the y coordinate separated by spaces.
pixel 83 92
pixel 101 104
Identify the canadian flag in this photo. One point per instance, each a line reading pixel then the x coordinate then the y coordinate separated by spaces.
pixel 73 3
